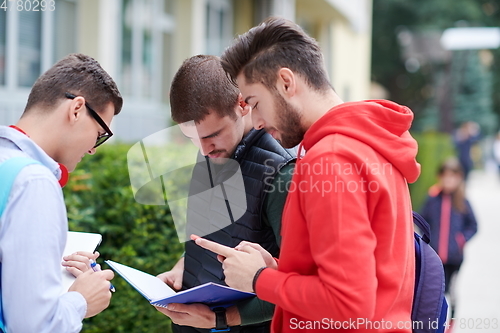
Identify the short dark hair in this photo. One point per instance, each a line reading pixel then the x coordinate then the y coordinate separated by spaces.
pixel 199 87
pixel 273 44
pixel 79 75
pixel 452 164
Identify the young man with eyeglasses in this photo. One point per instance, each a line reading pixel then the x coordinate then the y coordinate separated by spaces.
pixel 210 111
pixel 67 115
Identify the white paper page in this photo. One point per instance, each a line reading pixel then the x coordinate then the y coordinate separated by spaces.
pixel 77 241
pixel 148 285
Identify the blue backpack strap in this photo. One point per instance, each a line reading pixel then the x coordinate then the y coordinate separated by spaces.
pixel 424 227
pixel 8 173
pixel 429 304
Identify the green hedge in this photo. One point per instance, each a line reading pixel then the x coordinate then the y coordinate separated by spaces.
pixel 99 199
pixel 433 149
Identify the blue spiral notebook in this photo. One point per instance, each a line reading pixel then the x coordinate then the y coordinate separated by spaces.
pixel 160 294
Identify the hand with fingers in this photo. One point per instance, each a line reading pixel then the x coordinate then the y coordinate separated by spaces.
pixel 79 262
pixel 174 277
pixel 95 288
pixel 194 315
pixel 268 258
pixel 240 266
pixel 198 315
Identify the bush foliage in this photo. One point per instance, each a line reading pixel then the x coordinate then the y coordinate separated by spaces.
pixel 99 199
pixel 433 149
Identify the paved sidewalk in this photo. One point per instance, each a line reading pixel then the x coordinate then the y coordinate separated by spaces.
pixel 478 284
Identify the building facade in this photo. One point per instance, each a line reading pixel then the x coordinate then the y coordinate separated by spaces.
pixel 141 43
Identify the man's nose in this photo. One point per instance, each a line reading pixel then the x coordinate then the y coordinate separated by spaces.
pixel 257 121
pixel 206 147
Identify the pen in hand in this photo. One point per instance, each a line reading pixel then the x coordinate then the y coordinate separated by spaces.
pixel 96 268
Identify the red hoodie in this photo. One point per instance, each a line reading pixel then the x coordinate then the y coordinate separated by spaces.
pixel 347 255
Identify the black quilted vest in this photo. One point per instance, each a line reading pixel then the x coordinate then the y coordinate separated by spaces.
pixel 260 157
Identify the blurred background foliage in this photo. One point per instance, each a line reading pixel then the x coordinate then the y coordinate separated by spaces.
pixel 443 88
pixel 416 86
pixel 433 148
pixel 99 199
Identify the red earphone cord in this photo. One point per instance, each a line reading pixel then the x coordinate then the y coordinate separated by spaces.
pixel 64 171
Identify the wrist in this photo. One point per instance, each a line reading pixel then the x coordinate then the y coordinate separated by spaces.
pixel 180 264
pixel 233 316
pixel 220 320
pixel 255 278
pixel 275 264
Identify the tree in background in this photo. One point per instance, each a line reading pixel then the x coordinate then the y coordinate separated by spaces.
pixel 420 83
pixel 472 90
pixel 406 60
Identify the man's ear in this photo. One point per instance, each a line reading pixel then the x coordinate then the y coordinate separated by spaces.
pixel 286 83
pixel 76 109
pixel 242 106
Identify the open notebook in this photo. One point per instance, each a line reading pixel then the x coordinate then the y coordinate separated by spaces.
pixel 77 241
pixel 160 294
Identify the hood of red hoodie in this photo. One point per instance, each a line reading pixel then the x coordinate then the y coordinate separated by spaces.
pixel 381 124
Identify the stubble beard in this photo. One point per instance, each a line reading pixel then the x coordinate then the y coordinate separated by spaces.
pixel 289 122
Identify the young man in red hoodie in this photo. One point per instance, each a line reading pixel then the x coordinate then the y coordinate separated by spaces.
pixel 347 258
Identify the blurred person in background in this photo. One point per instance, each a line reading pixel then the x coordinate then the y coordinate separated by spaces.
pixel 496 151
pixel 452 221
pixel 465 136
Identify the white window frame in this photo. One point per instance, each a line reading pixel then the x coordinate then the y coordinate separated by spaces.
pixel 161 23
pixel 12 48
pixel 213 25
pixel 13 97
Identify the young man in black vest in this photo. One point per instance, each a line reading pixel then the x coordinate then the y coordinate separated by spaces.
pixel 211 112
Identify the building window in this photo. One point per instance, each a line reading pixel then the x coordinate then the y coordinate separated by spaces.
pixel 29 41
pixel 3 32
pixel 65 35
pixel 146 28
pixel 219 25
pixel 263 9
pixel 29 52
pixel 20 48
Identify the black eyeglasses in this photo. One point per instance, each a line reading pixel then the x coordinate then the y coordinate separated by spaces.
pixel 102 137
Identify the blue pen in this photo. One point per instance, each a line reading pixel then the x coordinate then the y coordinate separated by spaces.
pixel 96 268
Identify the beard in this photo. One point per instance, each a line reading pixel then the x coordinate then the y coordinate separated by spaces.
pixel 225 156
pixel 289 123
